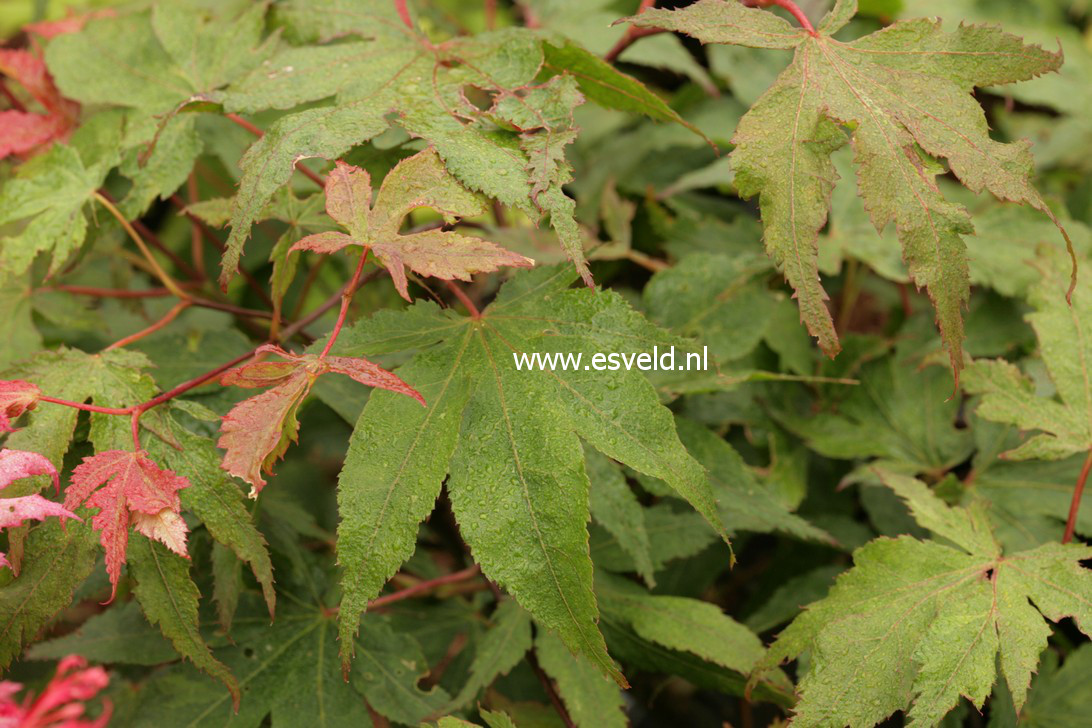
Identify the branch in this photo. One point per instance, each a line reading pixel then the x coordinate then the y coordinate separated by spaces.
pixel 1075 504
pixel 167 318
pixel 551 691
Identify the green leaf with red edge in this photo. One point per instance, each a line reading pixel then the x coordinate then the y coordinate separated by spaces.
pixel 904 92
pixel 420 181
pixel 129 489
pixel 257 431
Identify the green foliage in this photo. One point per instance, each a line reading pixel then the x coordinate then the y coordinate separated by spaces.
pixel 839 516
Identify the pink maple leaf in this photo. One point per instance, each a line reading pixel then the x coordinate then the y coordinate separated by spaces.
pixel 18 464
pixel 135 491
pixel 23 131
pixel 62 703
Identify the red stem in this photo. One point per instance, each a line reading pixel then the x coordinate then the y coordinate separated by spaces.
pixel 490 14
pixel 551 691
pixel 309 174
pixel 191 384
pixel 468 573
pixel 112 292
pixel 16 104
pixel 790 6
pixel 632 34
pixel 87 407
pixel 465 299
pixel 346 299
pixel 167 318
pixel 1075 504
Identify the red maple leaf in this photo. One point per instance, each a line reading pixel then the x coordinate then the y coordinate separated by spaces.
pixel 22 131
pixel 257 431
pixel 17 464
pixel 135 491
pixel 61 704
pixel 16 397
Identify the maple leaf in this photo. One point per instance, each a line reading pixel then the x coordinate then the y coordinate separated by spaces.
pixel 1065 422
pixel 24 131
pixel 16 464
pixel 905 91
pixel 420 181
pixel 941 612
pixel 16 397
pixel 257 431
pixel 134 491
pixel 509 443
pixel 395 75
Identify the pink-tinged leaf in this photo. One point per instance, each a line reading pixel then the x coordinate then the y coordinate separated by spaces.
pixel 419 181
pixel 16 396
pixel 72 24
pixel 16 464
pixel 167 527
pixel 445 255
pixel 31 73
pixel 61 704
pixel 325 243
pixel 14 511
pixel 130 484
pixel 349 197
pixel 21 132
pixel 372 375
pixel 257 431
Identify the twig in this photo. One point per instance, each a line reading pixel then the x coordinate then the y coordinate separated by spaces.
pixel 167 318
pixel 1075 504
pixel 346 299
pixel 632 34
pixel 403 13
pixel 424 586
pixel 490 14
pixel 163 276
pixel 551 691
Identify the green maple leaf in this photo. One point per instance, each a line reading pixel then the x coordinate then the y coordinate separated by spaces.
pixel 509 443
pixel 1065 421
pixel 51 195
pixel 904 92
pixel 289 674
pixel 914 624
pixel 513 151
pixel 158 61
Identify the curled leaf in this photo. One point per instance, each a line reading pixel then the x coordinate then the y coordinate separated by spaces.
pixel 16 397
pixel 257 431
